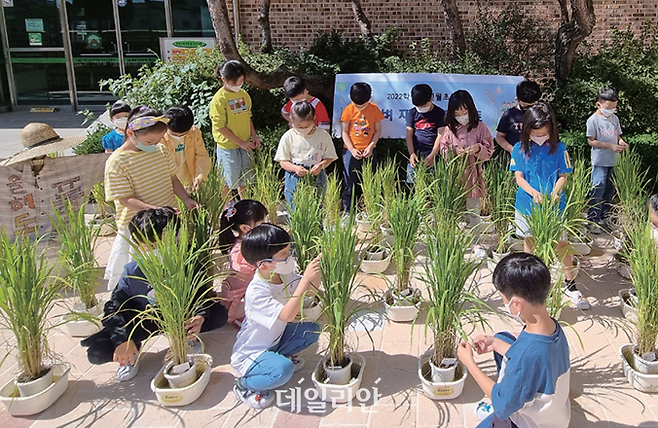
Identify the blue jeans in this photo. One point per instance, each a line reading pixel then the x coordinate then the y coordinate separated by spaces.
pixel 273 368
pixel 291 179
pixel 603 190
pixel 235 165
pixel 421 155
pixel 351 177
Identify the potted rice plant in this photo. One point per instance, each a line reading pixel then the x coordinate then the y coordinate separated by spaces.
pixel 639 360
pixel 266 186
pixel 332 201
pixel 448 192
pixel 451 301
pixel 404 216
pixel 387 174
pixel 306 228
pixel 28 293
pixel 577 192
pixel 180 287
pixel 501 188
pixel 368 218
pixel 104 217
pixel 339 373
pixel 78 241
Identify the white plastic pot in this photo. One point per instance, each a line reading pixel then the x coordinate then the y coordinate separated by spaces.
pixel 640 381
pixel 337 375
pixel 443 374
pixel 515 243
pixel 495 259
pixel 644 366
pixel 34 387
pixel 582 248
pixel 402 310
pixel 387 236
pixel 17 405
pixel 174 397
pixel 439 390
pixel 311 310
pixel 339 393
pixel 181 375
pixel 628 304
pixel 377 265
pixel 362 222
pixel 78 327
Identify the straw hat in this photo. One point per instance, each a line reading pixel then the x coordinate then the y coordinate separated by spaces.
pixel 40 139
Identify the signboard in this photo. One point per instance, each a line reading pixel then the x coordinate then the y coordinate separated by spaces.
pixel 179 49
pixel 35 39
pixel 33 25
pixel 392 93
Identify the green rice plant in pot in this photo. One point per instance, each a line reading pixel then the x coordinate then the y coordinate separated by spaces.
pixel 501 188
pixel 212 197
pixel 266 185
pixel 369 218
pixel 631 183
pixel 577 192
pixel 451 301
pixel 644 263
pixel 28 293
pixel 387 174
pixel 422 184
pixel 448 192
pixel 306 222
pixel 332 200
pixel 203 238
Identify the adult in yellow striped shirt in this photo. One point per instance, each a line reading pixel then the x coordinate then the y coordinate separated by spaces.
pixel 139 175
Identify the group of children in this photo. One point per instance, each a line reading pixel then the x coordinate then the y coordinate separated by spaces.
pixel 158 157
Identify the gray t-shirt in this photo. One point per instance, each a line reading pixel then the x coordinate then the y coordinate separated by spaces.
pixel 606 130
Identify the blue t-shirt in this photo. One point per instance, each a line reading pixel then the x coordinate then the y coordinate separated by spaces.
pixel 426 128
pixel 112 140
pixel 510 124
pixel 540 169
pixel 533 384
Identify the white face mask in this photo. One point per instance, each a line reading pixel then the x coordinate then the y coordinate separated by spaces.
pixel 233 88
pixel 120 122
pixel 177 138
pixel 463 120
pixel 607 112
pixel 424 109
pixel 285 267
pixel 305 131
pixel 540 140
pixel 509 311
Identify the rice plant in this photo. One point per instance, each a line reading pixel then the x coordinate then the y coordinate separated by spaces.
pixel 266 186
pixel 387 174
pixel 501 188
pixel 632 189
pixel 577 191
pixel 306 222
pixel 332 199
pixel 372 187
pixel 405 215
pixel 203 238
pixel 78 241
pixel 422 184
pixel 28 293
pixel 212 197
pixel 448 191
pixel 98 193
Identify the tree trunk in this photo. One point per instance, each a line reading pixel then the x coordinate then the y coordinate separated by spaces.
pixel 454 22
pixel 320 86
pixel 570 34
pixel 265 28
pixel 364 23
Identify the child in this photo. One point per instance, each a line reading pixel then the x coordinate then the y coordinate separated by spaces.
pixel 541 163
pixel 653 209
pixel 123 331
pixel 119 116
pixel 304 149
pixel 185 144
pixel 238 219
pixel 508 131
pixel 425 126
pixel 361 128
pixel 265 348
pixel 139 175
pixel 532 389
pixel 604 136
pixel 232 128
pixel 295 90
pixel 467 134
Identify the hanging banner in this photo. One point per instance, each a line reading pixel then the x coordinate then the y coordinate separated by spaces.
pixel 392 93
pixel 179 49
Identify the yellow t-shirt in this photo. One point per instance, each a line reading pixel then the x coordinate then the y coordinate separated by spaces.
pixel 145 176
pixel 231 110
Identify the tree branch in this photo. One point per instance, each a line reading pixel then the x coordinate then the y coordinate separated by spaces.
pixel 570 35
pixel 364 23
pixel 454 22
pixel 265 28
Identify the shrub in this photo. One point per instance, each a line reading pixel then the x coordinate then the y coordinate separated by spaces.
pixel 92 144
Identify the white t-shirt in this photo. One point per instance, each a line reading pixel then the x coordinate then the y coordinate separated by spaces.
pixel 261 328
pixel 305 150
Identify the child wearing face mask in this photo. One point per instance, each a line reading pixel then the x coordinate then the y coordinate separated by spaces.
pixel 604 136
pixel 295 90
pixel 238 219
pixel 425 126
pixel 532 389
pixel 540 163
pixel 265 349
pixel 232 127
pixel 508 131
pixel 185 144
pixel 467 135
pixel 119 116
pixel 139 175
pixel 304 149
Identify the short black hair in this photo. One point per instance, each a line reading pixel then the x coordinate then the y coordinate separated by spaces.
pixel 231 70
pixel 536 117
pixel 294 86
pixel 148 225
pixel 181 118
pixel 244 211
pixel 421 94
pixel 528 91
pixel 360 93
pixel 119 106
pixel 303 111
pixel 523 275
pixel 653 202
pixel 607 93
pixel 263 242
pixel 144 111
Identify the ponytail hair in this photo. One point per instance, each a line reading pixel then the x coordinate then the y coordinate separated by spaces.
pixel 242 212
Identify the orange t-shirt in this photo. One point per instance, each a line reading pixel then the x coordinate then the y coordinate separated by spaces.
pixel 361 123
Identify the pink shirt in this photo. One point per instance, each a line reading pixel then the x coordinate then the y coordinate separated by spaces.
pixel 464 138
pixel 235 285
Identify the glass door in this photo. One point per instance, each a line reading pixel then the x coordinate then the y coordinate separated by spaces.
pixel 143 22
pixel 36 52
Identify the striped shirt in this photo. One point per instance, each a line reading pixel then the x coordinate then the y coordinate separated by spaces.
pixel 141 175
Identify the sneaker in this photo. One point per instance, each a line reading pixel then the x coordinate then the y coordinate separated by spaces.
pixel 576 296
pixel 127 372
pixel 194 346
pixel 297 361
pixel 483 410
pixel 255 400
